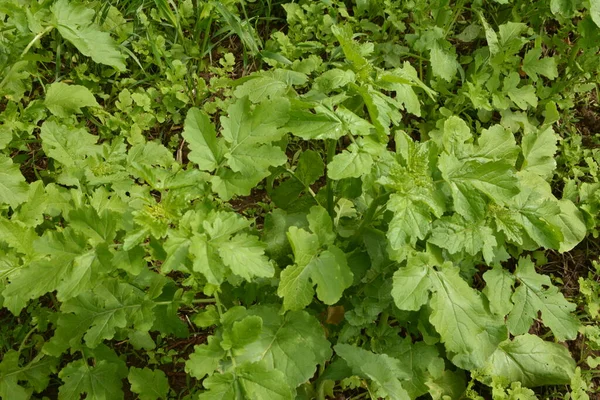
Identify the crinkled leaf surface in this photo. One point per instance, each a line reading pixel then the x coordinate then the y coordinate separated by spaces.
pixel 532 361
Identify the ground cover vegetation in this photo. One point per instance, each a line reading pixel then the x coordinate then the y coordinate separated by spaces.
pixel 299 200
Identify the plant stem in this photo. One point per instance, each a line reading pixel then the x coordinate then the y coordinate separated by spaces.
pixel 331 147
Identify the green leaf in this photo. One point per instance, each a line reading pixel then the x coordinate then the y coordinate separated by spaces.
pixel 498 289
pixel 470 332
pixel 74 22
pixel 13 188
pixel 67 145
pixel 31 213
pixel 539 149
pixel 320 222
pixel 101 381
pixel 310 167
pixel 595 11
pixel 471 181
pixel 497 143
pixel 385 370
pixel 523 96
pixel 333 79
pixel 350 48
pixel 75 269
pixel 351 163
pixel 566 8
pixel 65 100
pixel 148 384
pixel 571 223
pixel 456 132
pixel 411 220
pixel 13 376
pixel 17 236
pixel 205 358
pixel 293 343
pixel 250 381
pixel 328 270
pixel 246 126
pixel 411 287
pixel 537 293
pixel 242 333
pixel 206 260
pixel 533 211
pixel 321 125
pixel 97 315
pixel 244 254
pixel 532 361
pixel 457 235
pixel 200 134
pixel 443 64
pixel 533 65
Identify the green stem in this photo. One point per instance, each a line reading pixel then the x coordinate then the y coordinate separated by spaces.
pixel 368 217
pixel 35 39
pixel 195 301
pixel 573 55
pixel 25 51
pixel 331 147
pixel 306 187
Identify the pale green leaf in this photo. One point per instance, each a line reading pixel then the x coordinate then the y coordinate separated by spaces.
pixel 245 256
pixel 331 274
pixel 566 8
pixel 67 145
pixel 205 358
pixel 206 260
pixel 537 293
pixel 252 381
pixel 470 332
pixel 293 343
pixel 385 370
pixel 255 158
pixel 411 221
pixel 411 287
pixel 471 181
pixel 532 361
pixel 456 235
pixel 533 211
pixel 75 24
pixel 352 163
pixel 571 223
pixel 321 224
pixel 17 236
pixel 199 133
pixel 524 97
pixel 595 11
pixel 498 289
pixel 497 143
pixel 13 188
pixel 539 149
pixel 443 64
pixel 323 124
pixel 64 100
pixel 327 270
